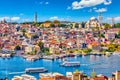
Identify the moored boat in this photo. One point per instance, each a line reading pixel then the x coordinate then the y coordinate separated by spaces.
pixel 70 64
pixel 36 70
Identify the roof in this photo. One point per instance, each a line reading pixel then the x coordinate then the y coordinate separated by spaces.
pixel 93 18
pixel 47 79
pixel 100 78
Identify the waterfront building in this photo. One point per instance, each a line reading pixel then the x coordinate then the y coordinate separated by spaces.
pixel 77 75
pixel 100 77
pixel 61 78
pixel 28 77
pixel 24 77
pixel 116 75
pixel 17 78
pixel 29 49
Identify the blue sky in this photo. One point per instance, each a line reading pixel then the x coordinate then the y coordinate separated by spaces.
pixel 70 10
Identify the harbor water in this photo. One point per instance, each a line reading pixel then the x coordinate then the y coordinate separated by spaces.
pixel 101 65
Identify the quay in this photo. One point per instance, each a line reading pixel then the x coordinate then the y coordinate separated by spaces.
pixel 5 55
pixel 31 57
pixel 24 77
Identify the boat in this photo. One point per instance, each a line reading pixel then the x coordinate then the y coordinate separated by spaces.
pixel 36 70
pixel 70 64
pixel 64 59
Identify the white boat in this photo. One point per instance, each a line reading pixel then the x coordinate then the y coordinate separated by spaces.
pixel 35 70
pixel 70 64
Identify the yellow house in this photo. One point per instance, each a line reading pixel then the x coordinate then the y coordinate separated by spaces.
pixel 29 49
pixel 51 50
pixel 29 34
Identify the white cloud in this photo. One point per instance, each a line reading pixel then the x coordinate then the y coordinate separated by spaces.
pixel 60 19
pixel 41 2
pixel 54 18
pixel 15 18
pixel 46 2
pixel 94 8
pixel 6 18
pixel 12 18
pixel 21 14
pixel 89 3
pixel 107 2
pixel 26 20
pixel 101 10
pixel 115 19
pixel 68 7
pixel 90 10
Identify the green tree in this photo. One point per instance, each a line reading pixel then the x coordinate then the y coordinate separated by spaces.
pixel 23 32
pixel 35 36
pixel 52 25
pixel 93 75
pixel 117 25
pixel 76 25
pixel 111 47
pixel 41 46
pixel 37 25
pixel 107 26
pixel 87 50
pixel 34 52
pixel 0 47
pixel 83 24
pixel 56 23
pixel 101 35
pixel 48 21
pixel 17 47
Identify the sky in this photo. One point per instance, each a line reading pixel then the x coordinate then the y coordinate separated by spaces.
pixel 63 10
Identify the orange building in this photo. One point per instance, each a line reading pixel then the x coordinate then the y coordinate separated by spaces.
pixel 47 79
pixel 46 24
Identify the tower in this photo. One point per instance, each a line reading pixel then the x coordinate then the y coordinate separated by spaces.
pixel 117 76
pixel 112 22
pixel 100 18
pixel 35 17
pixel 10 21
pixel 77 75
